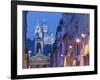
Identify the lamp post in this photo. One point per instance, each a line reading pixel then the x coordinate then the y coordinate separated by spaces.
pixel 70 55
pixel 78 51
pixel 62 55
pixel 70 49
pixel 82 53
pixel 77 40
pixel 83 37
pixel 29 52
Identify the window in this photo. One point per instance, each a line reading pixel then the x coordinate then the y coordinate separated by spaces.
pixel 38 47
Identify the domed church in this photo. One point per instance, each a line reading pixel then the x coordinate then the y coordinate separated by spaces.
pixel 41 40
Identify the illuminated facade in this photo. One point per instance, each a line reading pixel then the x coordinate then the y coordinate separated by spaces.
pixel 72 41
pixel 42 40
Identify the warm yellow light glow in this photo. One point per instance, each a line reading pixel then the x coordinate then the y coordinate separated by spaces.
pixel 86 49
pixel 74 62
pixel 78 40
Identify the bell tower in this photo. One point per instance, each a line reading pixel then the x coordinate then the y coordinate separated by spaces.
pixel 45 31
pixel 38 39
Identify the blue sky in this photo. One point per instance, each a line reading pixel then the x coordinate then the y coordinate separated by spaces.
pixel 52 20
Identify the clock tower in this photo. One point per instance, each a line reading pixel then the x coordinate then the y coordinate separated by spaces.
pixel 38 39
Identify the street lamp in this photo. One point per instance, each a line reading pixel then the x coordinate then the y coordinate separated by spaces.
pixel 82 59
pixel 29 52
pixel 62 55
pixel 78 50
pixel 77 40
pixel 70 50
pixel 83 35
pixel 70 47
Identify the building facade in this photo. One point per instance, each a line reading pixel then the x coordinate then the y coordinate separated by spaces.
pixel 72 41
pixel 43 42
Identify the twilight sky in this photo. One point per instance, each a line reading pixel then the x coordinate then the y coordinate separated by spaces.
pixel 52 20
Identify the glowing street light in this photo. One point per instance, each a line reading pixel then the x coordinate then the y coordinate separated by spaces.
pixel 62 55
pixel 29 51
pixel 83 52
pixel 83 35
pixel 70 47
pixel 78 50
pixel 78 40
pixel 29 58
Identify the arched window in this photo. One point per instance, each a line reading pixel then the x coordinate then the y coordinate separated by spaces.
pixel 38 47
pixel 37 35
